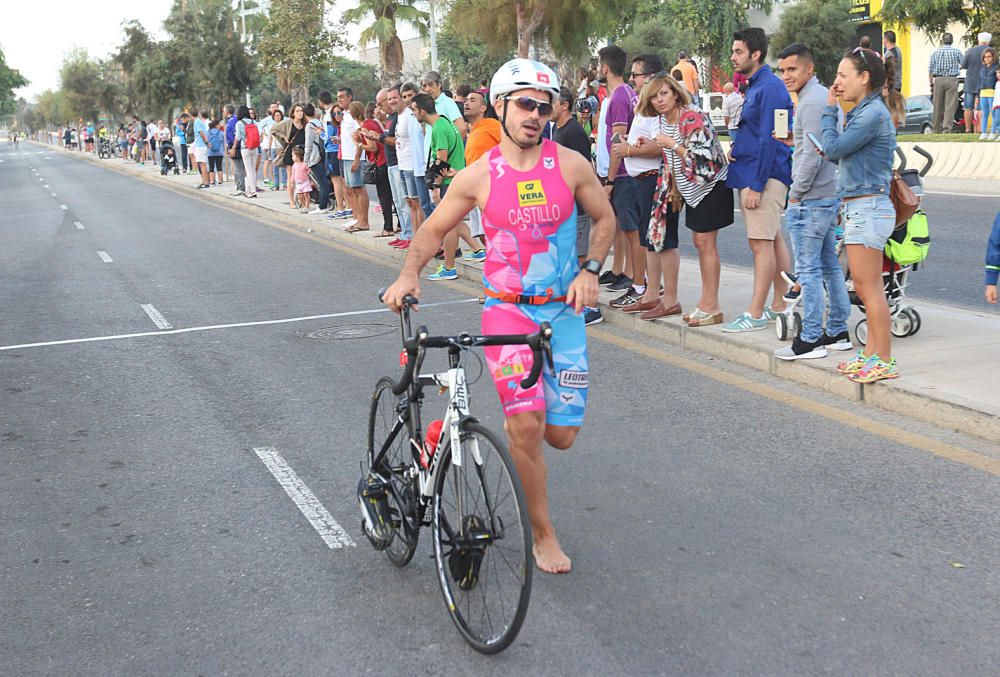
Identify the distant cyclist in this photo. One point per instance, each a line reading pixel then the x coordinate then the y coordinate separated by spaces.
pixel 526 189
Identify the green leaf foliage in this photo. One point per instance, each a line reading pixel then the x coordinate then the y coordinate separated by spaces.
pixel 824 26
pixel 10 79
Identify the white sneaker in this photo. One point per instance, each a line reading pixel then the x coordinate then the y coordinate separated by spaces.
pixel 317 210
pixel 982 137
pixel 991 137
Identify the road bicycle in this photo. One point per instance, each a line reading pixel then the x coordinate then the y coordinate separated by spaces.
pixel 460 481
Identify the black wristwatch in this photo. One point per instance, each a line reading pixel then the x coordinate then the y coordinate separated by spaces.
pixel 592 266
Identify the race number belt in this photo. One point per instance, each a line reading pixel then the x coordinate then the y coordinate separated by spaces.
pixel 524 299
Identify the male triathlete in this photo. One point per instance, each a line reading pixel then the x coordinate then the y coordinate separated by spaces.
pixel 526 188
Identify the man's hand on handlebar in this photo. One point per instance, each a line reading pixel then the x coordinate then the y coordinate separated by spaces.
pixel 404 285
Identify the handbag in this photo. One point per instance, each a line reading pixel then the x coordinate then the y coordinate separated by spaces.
pixel 666 200
pixel 904 200
pixel 370 173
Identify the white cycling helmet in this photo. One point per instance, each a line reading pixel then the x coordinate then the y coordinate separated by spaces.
pixel 524 74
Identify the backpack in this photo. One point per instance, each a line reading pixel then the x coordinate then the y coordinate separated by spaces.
pixel 253 135
pixel 215 141
pixel 911 242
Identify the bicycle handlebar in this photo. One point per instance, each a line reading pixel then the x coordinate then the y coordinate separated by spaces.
pixel 540 342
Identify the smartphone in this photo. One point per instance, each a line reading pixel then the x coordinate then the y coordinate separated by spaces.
pixel 815 142
pixel 616 138
pixel 781 123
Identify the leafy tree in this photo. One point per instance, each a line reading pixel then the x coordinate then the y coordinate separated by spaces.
pixel 342 72
pixel 384 15
pixel 713 22
pixel 466 58
pixel 205 34
pixel 657 35
pixel 824 25
pixel 10 79
pixel 566 28
pixel 295 43
pixel 80 82
pixel 933 16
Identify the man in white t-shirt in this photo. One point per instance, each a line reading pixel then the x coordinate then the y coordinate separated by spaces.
pixel 151 140
pixel 350 151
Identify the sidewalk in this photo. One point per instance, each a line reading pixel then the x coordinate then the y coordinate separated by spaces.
pixel 945 367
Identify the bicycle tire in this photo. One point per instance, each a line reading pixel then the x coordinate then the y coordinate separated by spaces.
pixel 380 420
pixel 493 567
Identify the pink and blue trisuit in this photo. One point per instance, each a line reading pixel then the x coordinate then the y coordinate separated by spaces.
pixel 530 227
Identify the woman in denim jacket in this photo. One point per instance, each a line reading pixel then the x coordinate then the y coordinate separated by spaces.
pixel 864 152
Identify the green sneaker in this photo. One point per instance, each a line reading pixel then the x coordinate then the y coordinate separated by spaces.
pixel 772 315
pixel 745 322
pixel 876 370
pixel 855 364
pixel 443 273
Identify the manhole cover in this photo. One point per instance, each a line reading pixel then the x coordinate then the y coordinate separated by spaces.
pixel 351 331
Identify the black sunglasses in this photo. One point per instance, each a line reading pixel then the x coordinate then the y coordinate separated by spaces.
pixel 528 104
pixel 635 75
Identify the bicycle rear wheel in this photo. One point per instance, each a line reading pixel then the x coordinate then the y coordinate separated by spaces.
pixel 483 552
pixel 394 467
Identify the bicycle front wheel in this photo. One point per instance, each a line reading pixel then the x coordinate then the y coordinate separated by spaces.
pixel 482 541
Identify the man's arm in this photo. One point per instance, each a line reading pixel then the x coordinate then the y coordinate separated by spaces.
pixel 613 165
pixel 807 165
pixel 458 201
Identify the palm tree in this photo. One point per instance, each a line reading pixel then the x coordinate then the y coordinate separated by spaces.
pixel 383 15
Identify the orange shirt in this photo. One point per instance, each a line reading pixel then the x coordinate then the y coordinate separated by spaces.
pixel 690 75
pixel 483 136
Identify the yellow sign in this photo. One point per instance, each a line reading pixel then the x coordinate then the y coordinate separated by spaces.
pixel 530 193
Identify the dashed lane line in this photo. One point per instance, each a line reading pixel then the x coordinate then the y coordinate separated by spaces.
pixel 155 315
pixel 304 499
pixel 107 259
pixel 79 226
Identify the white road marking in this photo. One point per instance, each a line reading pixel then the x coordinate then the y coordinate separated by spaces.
pixel 945 192
pixel 53 194
pixel 319 517
pixel 45 186
pixel 236 325
pixel 107 259
pixel 79 226
pixel 63 207
pixel 155 315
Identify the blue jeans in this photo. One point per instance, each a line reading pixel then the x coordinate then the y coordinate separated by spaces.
pixel 280 176
pixel 811 226
pixel 399 199
pixel 318 172
pixel 985 105
pixel 426 203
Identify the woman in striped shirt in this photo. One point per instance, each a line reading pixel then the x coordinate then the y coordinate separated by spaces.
pixel 695 166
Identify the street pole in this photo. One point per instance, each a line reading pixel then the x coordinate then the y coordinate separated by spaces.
pixel 434 43
pixel 243 39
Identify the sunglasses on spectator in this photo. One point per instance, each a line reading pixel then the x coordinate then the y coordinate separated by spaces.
pixel 862 50
pixel 636 75
pixel 528 104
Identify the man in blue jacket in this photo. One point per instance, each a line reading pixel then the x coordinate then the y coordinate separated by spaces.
pixel 760 168
pixel 993 261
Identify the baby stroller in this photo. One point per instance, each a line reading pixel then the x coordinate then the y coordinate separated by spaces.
pixel 904 253
pixel 168 158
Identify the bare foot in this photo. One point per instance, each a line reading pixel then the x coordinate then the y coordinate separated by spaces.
pixel 549 556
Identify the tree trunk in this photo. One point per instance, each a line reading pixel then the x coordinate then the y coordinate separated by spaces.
pixel 299 92
pixel 391 58
pixel 528 21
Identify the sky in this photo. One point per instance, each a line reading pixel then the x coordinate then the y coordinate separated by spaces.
pixel 35 42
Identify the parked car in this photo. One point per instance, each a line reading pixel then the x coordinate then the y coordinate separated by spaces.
pixel 920 113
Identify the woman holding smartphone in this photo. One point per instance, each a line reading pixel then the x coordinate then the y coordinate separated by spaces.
pixel 864 153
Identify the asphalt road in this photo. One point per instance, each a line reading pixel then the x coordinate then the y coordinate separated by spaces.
pixel 714 529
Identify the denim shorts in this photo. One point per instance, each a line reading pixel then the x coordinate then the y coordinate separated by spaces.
pixel 969 100
pixel 409 183
pixel 625 199
pixel 868 221
pixel 353 179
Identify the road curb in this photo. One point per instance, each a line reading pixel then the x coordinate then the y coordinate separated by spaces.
pixel 892 396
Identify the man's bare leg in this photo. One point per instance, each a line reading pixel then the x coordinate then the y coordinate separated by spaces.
pixel 526 432
pixel 618 260
pixel 783 261
pixel 637 258
pixel 764 270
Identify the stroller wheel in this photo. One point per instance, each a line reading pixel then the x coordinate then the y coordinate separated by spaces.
pixel 902 324
pixel 861 332
pixel 781 327
pixel 915 320
pixel 796 323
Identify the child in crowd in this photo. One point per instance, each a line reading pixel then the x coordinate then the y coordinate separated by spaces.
pixel 300 177
pixel 216 149
pixel 993 261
